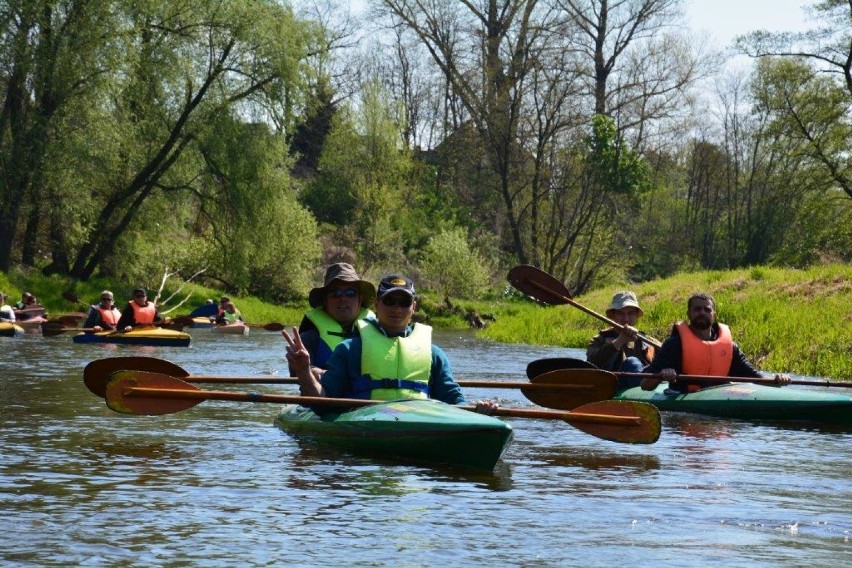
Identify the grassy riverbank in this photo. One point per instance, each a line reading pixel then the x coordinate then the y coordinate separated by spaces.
pixel 797 321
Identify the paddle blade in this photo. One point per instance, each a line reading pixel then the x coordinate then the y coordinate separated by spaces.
pixel 120 396
pixel 538 284
pixel 177 323
pixel 70 296
pixel 576 390
pixel 69 320
pixel 274 326
pixel 592 419
pixel 540 366
pixel 97 373
pixel 52 329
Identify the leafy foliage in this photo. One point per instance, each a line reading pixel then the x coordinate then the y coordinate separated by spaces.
pixel 451 267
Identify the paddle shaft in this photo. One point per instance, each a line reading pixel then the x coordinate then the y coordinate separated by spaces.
pixel 462 383
pixel 201 395
pixel 593 313
pixel 566 416
pixel 755 380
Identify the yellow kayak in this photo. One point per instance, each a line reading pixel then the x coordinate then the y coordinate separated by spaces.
pixel 139 336
pixel 9 329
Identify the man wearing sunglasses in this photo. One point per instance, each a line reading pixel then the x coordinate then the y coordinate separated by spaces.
pixel 103 315
pixel 139 312
pixel 390 359
pixel 335 307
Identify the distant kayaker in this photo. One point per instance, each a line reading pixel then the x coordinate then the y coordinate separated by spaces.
pixel 139 312
pixel 6 311
pixel 28 307
pixel 390 359
pixel 104 315
pixel 700 347
pixel 343 299
pixel 614 350
pixel 228 312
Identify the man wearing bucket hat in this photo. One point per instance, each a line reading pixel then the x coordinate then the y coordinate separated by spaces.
pixel 390 358
pixel 621 350
pixel 103 315
pixel 335 307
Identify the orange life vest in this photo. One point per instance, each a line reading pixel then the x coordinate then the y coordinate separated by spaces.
pixel 702 357
pixel 110 316
pixel 143 315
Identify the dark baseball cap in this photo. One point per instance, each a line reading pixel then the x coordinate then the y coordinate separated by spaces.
pixel 394 283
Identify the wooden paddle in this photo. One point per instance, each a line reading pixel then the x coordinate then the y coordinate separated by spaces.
pixel 74 299
pixel 274 326
pixel 565 363
pixel 558 389
pixel 66 320
pixel 40 310
pixel 50 329
pixel 541 366
pixel 543 287
pixel 140 392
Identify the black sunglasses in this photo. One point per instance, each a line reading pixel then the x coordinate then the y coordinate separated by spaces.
pixel 141 295
pixel 343 293
pixel 401 302
pixel 104 299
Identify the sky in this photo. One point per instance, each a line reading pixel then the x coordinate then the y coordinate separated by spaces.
pixel 723 20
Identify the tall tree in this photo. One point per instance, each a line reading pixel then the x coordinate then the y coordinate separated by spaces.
pixel 485 50
pixel 824 49
pixel 195 61
pixel 53 54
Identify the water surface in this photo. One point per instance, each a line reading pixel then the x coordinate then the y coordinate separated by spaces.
pixel 219 485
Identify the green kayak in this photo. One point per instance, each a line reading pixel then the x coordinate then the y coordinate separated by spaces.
pixel 751 402
pixel 424 431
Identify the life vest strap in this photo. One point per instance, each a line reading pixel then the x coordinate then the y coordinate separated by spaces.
pixel 364 384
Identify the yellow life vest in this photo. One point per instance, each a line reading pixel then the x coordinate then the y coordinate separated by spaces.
pixel 331 333
pixel 229 317
pixel 700 357
pixel 394 367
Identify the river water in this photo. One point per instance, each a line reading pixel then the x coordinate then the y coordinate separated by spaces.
pixel 219 485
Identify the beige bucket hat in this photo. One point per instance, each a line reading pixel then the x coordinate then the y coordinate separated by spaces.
pixel 343 272
pixel 624 299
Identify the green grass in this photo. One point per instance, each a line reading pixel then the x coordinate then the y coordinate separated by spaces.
pixel 797 321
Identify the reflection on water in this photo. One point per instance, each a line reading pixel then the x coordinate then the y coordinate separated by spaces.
pixel 219 485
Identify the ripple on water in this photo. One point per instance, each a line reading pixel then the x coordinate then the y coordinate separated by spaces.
pixel 218 485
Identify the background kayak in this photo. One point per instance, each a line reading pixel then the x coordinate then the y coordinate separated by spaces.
pixel 141 336
pixel 9 329
pixel 236 328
